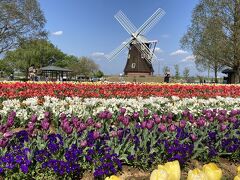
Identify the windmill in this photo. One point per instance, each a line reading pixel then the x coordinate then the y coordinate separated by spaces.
pixel 141 51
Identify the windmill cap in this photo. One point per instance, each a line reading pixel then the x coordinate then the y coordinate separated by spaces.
pixel 142 39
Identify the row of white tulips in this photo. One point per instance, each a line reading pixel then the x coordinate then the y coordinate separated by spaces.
pixel 91 106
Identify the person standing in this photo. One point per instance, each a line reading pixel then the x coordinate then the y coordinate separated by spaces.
pixel 167 77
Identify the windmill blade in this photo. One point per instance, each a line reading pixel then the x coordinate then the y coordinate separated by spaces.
pixel 125 22
pixel 119 49
pixel 151 21
pixel 142 49
pixel 146 49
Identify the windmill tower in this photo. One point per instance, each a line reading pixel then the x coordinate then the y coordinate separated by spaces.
pixel 141 51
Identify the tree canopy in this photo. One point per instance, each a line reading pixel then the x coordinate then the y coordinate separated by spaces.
pixel 37 52
pixel 20 20
pixel 214 35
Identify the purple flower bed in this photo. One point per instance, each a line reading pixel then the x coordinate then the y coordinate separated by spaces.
pixel 69 146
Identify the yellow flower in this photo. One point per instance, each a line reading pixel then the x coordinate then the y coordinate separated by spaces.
pixel 173 170
pixel 159 174
pixel 113 177
pixel 212 171
pixel 238 169
pixel 196 174
pixel 237 177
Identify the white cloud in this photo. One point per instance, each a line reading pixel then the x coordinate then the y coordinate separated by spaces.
pixel 98 55
pixel 165 36
pixel 179 52
pixel 190 58
pixel 158 50
pixel 57 33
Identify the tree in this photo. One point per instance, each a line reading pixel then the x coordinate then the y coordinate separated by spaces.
pixel 84 66
pixel 214 35
pixel 99 74
pixel 166 69
pixel 20 20
pixel 67 61
pixel 176 67
pixel 186 73
pixel 37 52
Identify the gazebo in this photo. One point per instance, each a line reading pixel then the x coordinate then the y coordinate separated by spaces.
pixel 55 73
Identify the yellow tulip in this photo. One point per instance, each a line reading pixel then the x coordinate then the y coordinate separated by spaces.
pixel 212 171
pixel 159 174
pixel 173 170
pixel 196 174
pixel 238 169
pixel 113 177
pixel 237 177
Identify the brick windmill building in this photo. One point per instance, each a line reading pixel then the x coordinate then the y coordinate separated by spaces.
pixel 141 51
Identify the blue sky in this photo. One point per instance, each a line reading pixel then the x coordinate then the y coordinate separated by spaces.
pixel 88 28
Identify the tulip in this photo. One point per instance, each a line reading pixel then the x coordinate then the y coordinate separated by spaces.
pixel 155 115
pixel 173 170
pixel 31 126
pixel 122 110
pixel 212 171
pixel 164 118
pixel 113 134
pixel 113 177
pixel 233 112
pixel 83 143
pixel 63 116
pixel 237 177
pixel 233 119
pixel 150 124
pixel 172 127
pixel 68 130
pixel 182 123
pixel 75 122
pixel 197 174
pixel 119 132
pixel 201 122
pixel 47 114
pixel 135 115
pixel 96 134
pixel 143 124
pixel 13 114
pixel 191 118
pixel 98 125
pixel 157 120
pixel 145 112
pixel 185 113
pixel 8 134
pixel 90 121
pixel 3 128
pixel 193 137
pixel 34 118
pixel 125 121
pixel 82 127
pixel 223 127
pixel 159 174
pixel 208 115
pixel 162 128
pixel 3 142
pixel 45 124
pixel 10 121
pixel 109 115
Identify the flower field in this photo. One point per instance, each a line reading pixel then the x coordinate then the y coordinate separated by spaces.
pixel 63 130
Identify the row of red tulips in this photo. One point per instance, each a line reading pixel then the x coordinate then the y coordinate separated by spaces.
pixel 25 90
